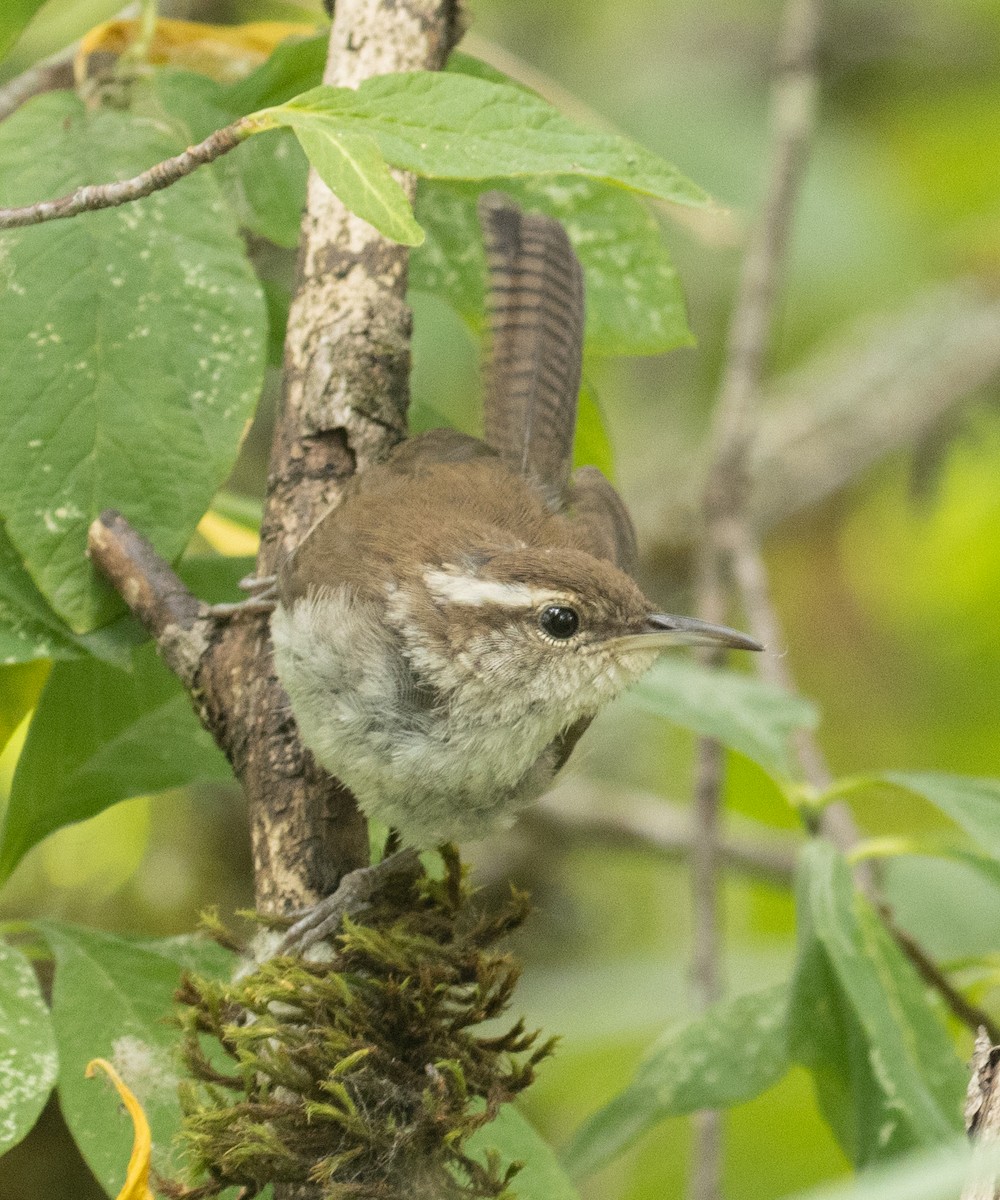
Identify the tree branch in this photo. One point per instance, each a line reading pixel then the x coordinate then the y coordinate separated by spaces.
pixel 982 1111
pixel 887 384
pixel 94 197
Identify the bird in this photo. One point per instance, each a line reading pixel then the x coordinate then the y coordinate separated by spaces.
pixel 447 632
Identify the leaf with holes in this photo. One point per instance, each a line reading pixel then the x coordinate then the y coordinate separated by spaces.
pixel 886 1073
pixel 111 999
pixel 132 345
pixel 28 1060
pixel 634 299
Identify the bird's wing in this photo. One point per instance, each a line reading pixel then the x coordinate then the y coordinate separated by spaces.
pixel 600 517
pixel 535 303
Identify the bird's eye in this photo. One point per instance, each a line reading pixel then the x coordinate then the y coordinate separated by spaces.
pixel 559 621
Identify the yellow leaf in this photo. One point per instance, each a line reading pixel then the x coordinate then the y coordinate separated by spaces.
pixel 227 536
pixel 223 52
pixel 137 1178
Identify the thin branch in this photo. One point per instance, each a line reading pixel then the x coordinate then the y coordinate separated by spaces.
pixel 971 1015
pixel 156 595
pixel 586 811
pixel 47 76
pixel 887 384
pixel 792 116
pixel 110 195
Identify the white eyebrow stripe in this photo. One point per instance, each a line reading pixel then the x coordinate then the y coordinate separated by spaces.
pixel 468 589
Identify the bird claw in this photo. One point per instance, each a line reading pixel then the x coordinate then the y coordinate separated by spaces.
pixel 353 895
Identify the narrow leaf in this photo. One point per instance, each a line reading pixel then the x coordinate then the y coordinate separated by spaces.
pixel 863 1023
pixel 726 1056
pixel 110 1000
pixel 541 1176
pixel 28 1061
pixel 132 347
pixel 974 804
pixel 741 711
pixel 100 735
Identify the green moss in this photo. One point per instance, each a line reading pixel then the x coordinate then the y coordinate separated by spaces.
pixel 363 1075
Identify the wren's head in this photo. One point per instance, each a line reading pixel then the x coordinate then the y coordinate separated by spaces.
pixel 547 634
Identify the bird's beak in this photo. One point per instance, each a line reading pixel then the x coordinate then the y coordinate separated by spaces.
pixel 661 631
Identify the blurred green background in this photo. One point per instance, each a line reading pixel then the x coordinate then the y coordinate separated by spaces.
pixel 889 589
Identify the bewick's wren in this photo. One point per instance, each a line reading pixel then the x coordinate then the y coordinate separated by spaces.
pixel 448 631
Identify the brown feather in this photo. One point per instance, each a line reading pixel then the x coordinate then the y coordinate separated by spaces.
pixel 536 312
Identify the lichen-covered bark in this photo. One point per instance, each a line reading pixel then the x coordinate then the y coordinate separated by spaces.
pixel 346 363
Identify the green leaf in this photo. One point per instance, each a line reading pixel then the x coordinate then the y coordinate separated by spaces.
pixel 98 736
pixel 634 299
pixel 592 443
pixel 14 18
pixel 938 1175
pixel 351 166
pixel 445 125
pixel 264 179
pixel 20 686
pixel 745 714
pixel 132 344
pixel 29 629
pixel 541 1176
pixel 974 804
pixel 28 1060
pixel 726 1056
pixel 289 70
pixel 110 1000
pixel 887 1076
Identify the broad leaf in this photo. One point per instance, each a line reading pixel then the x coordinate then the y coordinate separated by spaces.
pixel 937 1175
pixel 445 125
pixel 29 629
pixel 886 1073
pixel 634 299
pixel 350 165
pixel 511 1136
pixel 28 1061
pixel 723 1057
pixel 263 180
pixel 20 686
pixel 744 713
pixel 14 18
pixel 110 1000
pixel 100 735
pixel 132 345
pixel 974 804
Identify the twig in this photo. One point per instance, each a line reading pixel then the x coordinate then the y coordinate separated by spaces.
pixel 581 810
pixel 792 115
pixel 887 384
pixel 156 595
pixel 55 72
pixel 93 197
pixel 971 1015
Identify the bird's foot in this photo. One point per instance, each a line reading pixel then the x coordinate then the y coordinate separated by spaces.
pixel 263 598
pixel 353 895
